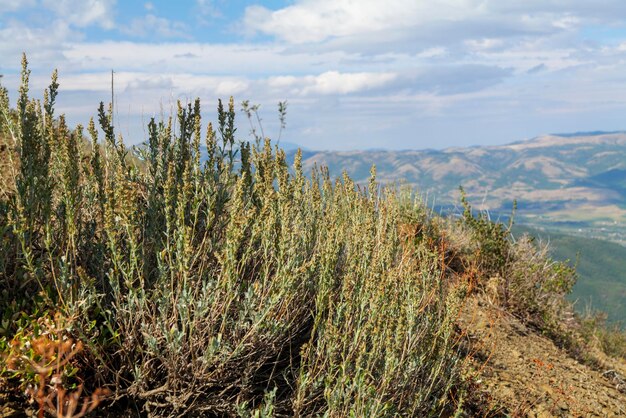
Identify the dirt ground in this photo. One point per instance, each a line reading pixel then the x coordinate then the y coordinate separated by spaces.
pixel 523 374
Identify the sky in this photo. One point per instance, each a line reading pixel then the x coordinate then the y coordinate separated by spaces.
pixel 356 74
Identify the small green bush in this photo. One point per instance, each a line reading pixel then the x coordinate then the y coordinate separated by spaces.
pixel 491 240
pixel 527 282
pixel 536 289
pixel 610 338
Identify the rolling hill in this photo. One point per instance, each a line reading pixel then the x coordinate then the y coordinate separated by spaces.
pixel 570 189
pixel 572 183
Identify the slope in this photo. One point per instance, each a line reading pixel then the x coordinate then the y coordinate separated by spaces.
pixel 601 268
pixel 524 374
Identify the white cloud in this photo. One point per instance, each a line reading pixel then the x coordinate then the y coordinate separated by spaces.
pixel 41 44
pixel 333 82
pixel 527 54
pixel 44 28
pixel 158 83
pixel 330 83
pixel 151 25
pixel 208 8
pixel 432 53
pixel 367 24
pixel 566 22
pixel 317 20
pixel 234 59
pixel 484 44
pixel 83 13
pixel 14 5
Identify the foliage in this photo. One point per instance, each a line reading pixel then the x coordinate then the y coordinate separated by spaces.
pixel 537 286
pixel 598 266
pixel 601 268
pixel 609 338
pixel 230 283
pixel 491 238
pixel 227 286
pixel 42 360
pixel 523 276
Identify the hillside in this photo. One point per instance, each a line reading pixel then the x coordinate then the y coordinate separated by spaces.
pixel 524 374
pixel 601 269
pixel 572 183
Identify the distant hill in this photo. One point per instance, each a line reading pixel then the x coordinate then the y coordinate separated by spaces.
pixel 614 179
pixel 570 186
pixel 574 183
pixel 589 133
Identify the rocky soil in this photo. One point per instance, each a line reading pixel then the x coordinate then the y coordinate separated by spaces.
pixel 523 374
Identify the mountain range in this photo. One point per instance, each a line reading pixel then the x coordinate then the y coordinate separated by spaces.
pixel 570 190
pixel 573 183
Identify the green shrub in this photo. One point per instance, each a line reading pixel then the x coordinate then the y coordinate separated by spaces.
pixel 523 276
pixel 536 289
pixel 220 282
pixel 610 338
pixel 491 240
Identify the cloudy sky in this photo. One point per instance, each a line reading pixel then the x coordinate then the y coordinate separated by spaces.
pixel 356 73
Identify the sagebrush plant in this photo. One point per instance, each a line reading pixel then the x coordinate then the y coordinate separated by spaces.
pixel 206 276
pixel 521 272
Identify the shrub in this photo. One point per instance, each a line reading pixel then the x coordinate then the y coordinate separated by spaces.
pixel 216 281
pixel 521 275
pixel 490 239
pixel 597 333
pixel 536 288
pixel 42 359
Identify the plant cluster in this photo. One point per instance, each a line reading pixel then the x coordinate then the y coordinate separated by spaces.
pixel 609 338
pixel 220 281
pixel 42 358
pixel 521 274
pixel 204 275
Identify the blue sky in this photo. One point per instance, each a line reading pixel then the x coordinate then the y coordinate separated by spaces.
pixel 356 74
